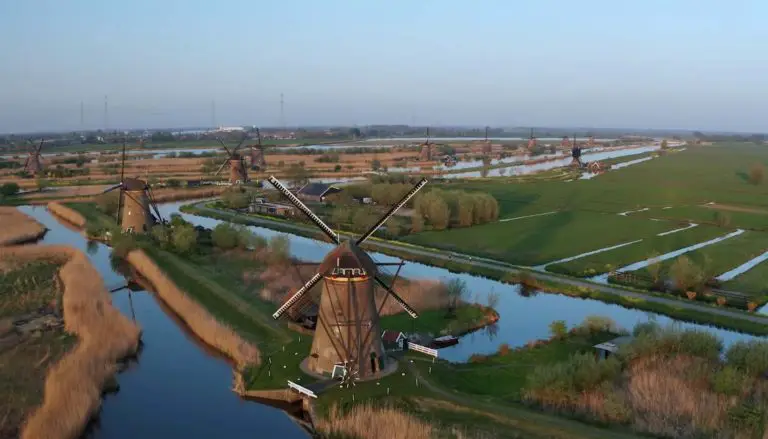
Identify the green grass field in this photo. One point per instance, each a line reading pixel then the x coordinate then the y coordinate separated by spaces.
pixel 718 258
pixel 620 257
pixel 706 215
pixel 542 239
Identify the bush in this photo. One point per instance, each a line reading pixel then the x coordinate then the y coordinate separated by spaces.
pixel 558 329
pixel 122 244
pixel 108 202
pixel 749 356
pixel 9 189
pixel 235 199
pixel 595 324
pixel 225 236
pixel 672 341
pixel 184 239
pixel 685 275
pixel 161 235
pixel 279 248
pixel 728 381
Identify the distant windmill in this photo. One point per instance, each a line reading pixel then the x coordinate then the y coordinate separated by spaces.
pixel 237 170
pixel 134 202
pixel 565 143
pixel 33 165
pixel 575 153
pixel 487 147
pixel 258 161
pixel 591 141
pixel 531 141
pixel 427 149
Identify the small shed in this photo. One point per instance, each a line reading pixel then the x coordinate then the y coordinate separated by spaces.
pixel 316 191
pixel 608 348
pixel 394 340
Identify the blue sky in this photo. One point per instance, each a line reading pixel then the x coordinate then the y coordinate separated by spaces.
pixel 641 64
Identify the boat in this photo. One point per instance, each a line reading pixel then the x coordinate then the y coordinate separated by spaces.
pixel 444 341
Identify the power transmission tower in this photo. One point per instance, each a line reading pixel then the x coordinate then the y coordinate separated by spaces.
pixel 106 114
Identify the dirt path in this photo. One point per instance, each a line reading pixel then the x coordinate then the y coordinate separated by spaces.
pixel 508 268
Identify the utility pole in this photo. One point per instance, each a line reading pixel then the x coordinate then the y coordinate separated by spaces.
pixel 282 112
pixel 213 115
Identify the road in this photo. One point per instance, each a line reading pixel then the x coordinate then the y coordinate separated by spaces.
pixel 505 268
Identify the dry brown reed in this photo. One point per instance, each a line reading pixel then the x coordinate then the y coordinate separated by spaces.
pixel 366 421
pixel 16 227
pixel 205 326
pixel 70 215
pixel 73 386
pixel 668 399
pixel 166 195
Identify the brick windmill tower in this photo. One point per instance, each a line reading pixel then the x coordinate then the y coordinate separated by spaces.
pixel 258 162
pixel 347 340
pixel 134 203
pixel 33 165
pixel 238 173
pixel 575 153
pixel 427 149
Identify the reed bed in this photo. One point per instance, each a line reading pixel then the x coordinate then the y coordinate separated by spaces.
pixel 72 392
pixel 369 422
pixel 70 215
pixel 17 227
pixel 169 194
pixel 205 326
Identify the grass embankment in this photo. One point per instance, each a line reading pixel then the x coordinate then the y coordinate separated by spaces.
pixel 73 385
pixel 197 317
pixel 17 227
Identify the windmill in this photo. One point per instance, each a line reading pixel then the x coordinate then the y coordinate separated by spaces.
pixel 575 152
pixel 33 165
pixel 487 148
pixel 427 149
pixel 531 142
pixel 565 143
pixel 134 202
pixel 258 162
pixel 347 335
pixel 590 141
pixel 237 171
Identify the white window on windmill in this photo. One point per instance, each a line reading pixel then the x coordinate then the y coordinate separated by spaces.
pixel 339 371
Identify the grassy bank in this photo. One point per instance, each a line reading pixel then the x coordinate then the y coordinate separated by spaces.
pixel 676 312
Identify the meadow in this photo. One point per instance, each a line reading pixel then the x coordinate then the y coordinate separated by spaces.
pixel 721 188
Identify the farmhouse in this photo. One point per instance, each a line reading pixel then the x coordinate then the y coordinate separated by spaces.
pixel 316 191
pixel 394 340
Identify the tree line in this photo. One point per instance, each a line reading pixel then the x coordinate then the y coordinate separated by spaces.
pixel 442 209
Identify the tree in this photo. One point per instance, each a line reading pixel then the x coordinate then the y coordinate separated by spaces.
pixel 355 133
pixel 466 207
pixel 9 189
pixel 184 238
pixel 108 202
pixel 664 144
pixel 654 269
pixel 685 274
pixel 375 164
pixel 456 289
pixel 417 222
pixel 235 199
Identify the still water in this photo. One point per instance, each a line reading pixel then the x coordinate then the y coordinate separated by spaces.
pixel 177 389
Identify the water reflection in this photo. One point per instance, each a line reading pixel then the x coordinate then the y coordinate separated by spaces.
pixel 178 390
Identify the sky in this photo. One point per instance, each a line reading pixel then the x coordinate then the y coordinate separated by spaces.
pixel 668 64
